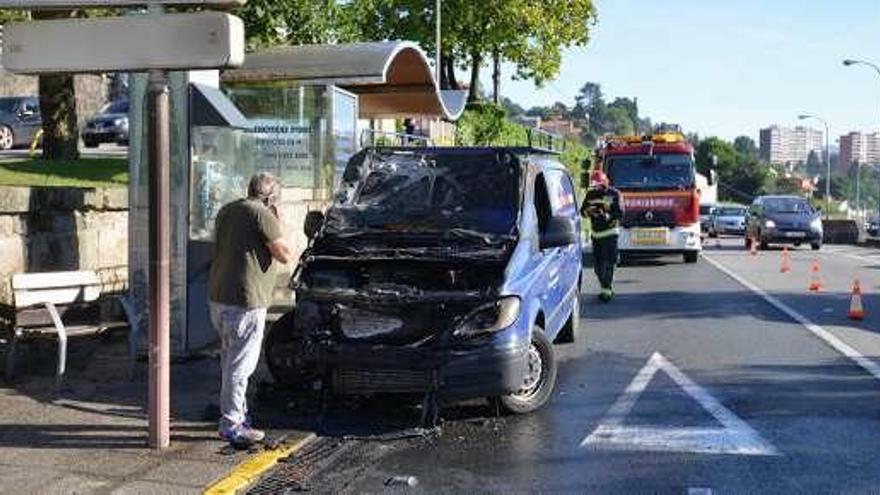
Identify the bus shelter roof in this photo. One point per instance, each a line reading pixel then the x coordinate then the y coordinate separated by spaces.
pixel 391 78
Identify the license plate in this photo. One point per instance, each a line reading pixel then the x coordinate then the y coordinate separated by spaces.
pixel 795 234
pixel 650 237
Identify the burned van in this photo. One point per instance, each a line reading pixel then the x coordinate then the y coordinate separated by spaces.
pixel 444 271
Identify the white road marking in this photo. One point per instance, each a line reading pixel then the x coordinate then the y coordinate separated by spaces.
pixel 734 437
pixel 699 491
pixel 828 337
pixel 850 254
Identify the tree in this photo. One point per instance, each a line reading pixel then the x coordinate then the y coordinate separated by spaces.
pixel 740 178
pixel 528 33
pixel 814 163
pixel 58 105
pixel 746 148
pixel 275 22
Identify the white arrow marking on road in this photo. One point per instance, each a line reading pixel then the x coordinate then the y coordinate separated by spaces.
pixel 734 437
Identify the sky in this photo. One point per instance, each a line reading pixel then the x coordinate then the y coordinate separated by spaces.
pixel 726 67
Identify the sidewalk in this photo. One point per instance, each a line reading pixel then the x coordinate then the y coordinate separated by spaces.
pixel 91 438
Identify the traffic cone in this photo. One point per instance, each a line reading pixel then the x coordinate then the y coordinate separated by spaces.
pixel 786 261
pixel 856 310
pixel 815 281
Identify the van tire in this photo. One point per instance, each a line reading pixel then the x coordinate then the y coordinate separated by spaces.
pixel 691 256
pixel 281 362
pixel 527 401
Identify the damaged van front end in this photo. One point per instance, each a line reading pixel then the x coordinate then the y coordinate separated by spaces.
pixel 402 288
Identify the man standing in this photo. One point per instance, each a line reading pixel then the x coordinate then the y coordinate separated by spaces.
pixel 247 237
pixel 604 208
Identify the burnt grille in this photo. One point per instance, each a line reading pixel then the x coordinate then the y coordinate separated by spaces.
pixel 366 381
pixel 649 218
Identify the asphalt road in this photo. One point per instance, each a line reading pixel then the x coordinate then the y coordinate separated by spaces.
pixel 689 382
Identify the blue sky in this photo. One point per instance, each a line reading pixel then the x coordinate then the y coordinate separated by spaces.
pixel 727 67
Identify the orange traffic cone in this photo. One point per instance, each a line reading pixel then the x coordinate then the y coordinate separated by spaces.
pixel 856 310
pixel 786 261
pixel 815 281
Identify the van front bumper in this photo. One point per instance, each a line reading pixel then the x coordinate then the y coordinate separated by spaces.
pixel 461 371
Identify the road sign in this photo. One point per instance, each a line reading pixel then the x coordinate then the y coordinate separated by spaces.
pixel 85 4
pixel 733 437
pixel 201 40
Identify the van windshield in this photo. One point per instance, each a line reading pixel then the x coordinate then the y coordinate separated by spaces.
pixel 429 192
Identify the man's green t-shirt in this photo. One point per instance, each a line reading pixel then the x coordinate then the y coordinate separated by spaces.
pixel 241 273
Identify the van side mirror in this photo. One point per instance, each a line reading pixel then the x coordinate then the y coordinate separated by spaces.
pixel 559 232
pixel 313 223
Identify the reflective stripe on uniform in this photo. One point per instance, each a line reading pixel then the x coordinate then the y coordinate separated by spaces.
pixel 606 233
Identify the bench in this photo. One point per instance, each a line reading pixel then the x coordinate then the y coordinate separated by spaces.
pixel 58 306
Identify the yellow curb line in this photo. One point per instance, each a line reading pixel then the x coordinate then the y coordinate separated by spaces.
pixel 253 467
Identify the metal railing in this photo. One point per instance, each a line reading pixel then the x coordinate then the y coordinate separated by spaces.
pixel 373 138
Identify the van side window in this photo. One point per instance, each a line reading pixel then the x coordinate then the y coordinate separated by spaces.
pixel 561 191
pixel 542 203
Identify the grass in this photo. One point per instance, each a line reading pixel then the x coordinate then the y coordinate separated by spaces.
pixel 86 172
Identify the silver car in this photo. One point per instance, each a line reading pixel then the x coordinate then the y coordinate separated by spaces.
pixel 728 220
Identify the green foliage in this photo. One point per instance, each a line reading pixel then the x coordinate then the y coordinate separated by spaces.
pixel 741 176
pixel 98 172
pixel 746 147
pixel 487 124
pixel 597 117
pixel 275 22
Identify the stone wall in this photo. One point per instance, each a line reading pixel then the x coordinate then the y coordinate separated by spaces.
pixel 59 228
pixel 91 91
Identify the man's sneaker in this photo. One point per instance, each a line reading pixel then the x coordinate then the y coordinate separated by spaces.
pixel 242 435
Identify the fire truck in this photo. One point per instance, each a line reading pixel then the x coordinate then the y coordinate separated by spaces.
pixel 659 183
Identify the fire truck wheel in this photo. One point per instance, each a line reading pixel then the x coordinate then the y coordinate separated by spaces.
pixel 691 256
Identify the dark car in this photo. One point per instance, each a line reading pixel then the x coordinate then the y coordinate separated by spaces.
pixel 441 272
pixel 110 125
pixel 783 220
pixel 19 121
pixel 872 226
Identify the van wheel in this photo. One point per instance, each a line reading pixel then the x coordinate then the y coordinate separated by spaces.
pixel 816 246
pixel 691 256
pixel 539 380
pixel 570 329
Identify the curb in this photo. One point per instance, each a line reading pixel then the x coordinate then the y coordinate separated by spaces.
pixel 253 467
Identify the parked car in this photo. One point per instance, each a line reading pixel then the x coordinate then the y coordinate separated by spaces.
pixel 783 220
pixel 19 121
pixel 872 226
pixel 110 125
pixel 705 216
pixel 727 220
pixel 448 272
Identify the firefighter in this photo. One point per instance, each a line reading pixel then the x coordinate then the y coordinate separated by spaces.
pixel 604 208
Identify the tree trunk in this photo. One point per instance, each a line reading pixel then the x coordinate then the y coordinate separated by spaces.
pixel 496 77
pixel 474 90
pixel 58 107
pixel 448 73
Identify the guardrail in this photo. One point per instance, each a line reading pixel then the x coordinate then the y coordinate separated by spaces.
pixel 372 138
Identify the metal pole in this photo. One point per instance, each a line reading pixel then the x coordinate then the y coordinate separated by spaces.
pixel 858 187
pixel 437 21
pixel 159 142
pixel 827 171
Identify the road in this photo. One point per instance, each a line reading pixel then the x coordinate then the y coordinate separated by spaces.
pixel 691 381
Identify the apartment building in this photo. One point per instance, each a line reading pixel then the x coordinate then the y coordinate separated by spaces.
pixel 790 146
pixel 859 148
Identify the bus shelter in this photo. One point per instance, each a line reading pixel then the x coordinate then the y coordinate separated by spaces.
pixel 294 111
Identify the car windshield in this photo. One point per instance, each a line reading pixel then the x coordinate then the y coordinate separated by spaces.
pixel 8 105
pixel 730 212
pixel 660 171
pixel 787 205
pixel 116 107
pixel 429 192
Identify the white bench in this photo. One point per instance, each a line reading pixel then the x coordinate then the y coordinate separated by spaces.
pixel 59 305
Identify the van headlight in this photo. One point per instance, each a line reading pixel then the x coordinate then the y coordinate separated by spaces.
pixel 770 224
pixel 816 224
pixel 489 318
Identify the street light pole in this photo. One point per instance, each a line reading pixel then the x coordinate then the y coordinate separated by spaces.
pixel 849 62
pixel 827 160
